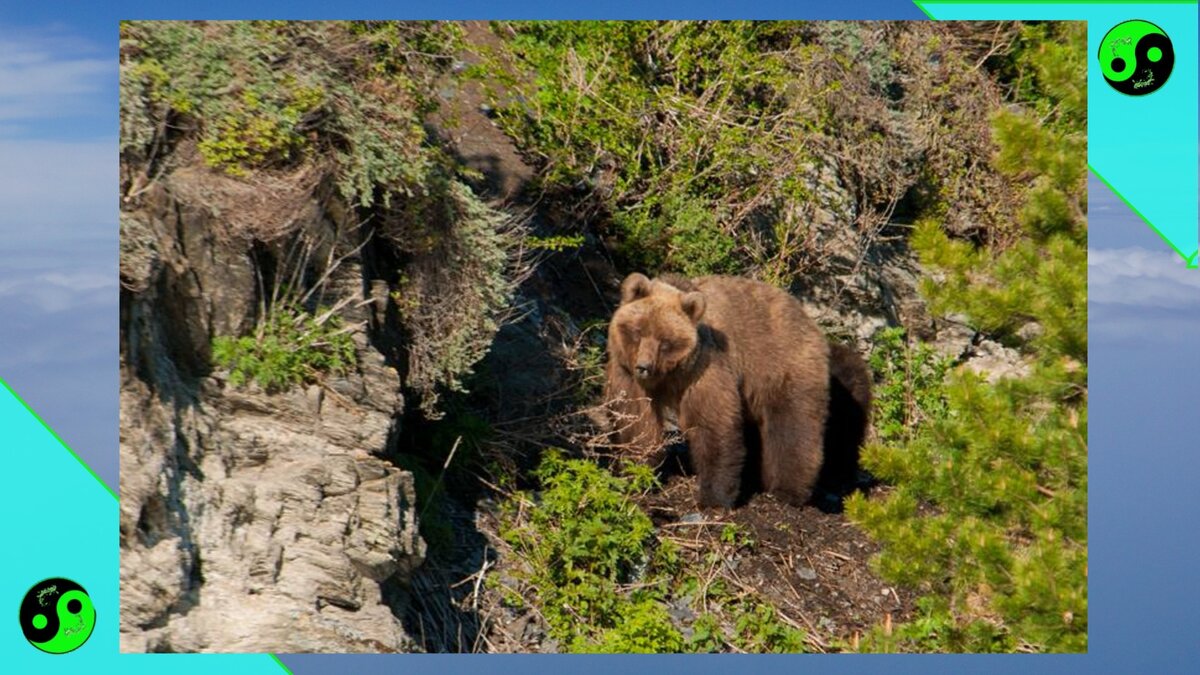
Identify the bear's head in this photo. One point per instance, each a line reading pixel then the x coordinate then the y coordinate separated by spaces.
pixel 655 331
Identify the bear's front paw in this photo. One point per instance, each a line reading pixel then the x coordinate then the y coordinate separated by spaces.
pixel 792 497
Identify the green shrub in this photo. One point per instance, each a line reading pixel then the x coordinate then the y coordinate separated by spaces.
pixel 260 131
pixel 456 287
pixel 291 347
pixel 590 361
pixel 644 627
pixel 909 388
pixel 759 631
pixel 1001 546
pixel 580 545
pixel 224 76
pixel 707 636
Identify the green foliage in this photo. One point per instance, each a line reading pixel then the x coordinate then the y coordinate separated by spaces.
pixel 707 636
pixel 591 359
pixel 1006 475
pixel 583 542
pixel 1039 285
pixel 259 132
pixel 457 286
pixel 556 243
pixel 908 391
pixel 935 631
pixel 737 537
pixel 395 47
pixel 644 628
pixel 224 74
pixel 759 631
pixel 697 244
pixel 1047 61
pixel 988 514
pixel 345 104
pixel 291 347
pixel 354 94
pixel 846 37
pixel 673 117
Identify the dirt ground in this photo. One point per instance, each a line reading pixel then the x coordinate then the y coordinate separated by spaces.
pixel 812 566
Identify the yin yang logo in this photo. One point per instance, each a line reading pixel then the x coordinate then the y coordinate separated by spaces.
pixel 1136 57
pixel 57 615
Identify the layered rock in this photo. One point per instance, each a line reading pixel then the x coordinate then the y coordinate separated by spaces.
pixel 250 522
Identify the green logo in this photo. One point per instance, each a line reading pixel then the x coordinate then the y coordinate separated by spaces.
pixel 57 615
pixel 1136 57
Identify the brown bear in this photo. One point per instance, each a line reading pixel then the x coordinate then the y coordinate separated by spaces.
pixel 732 360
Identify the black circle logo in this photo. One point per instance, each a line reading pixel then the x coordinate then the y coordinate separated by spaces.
pixel 1136 57
pixel 57 615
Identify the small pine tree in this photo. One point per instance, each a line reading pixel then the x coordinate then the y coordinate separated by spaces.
pixel 989 511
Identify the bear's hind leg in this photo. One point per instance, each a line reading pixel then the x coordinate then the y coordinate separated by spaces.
pixel 791 452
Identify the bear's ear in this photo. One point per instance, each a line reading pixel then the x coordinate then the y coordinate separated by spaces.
pixel 635 287
pixel 693 305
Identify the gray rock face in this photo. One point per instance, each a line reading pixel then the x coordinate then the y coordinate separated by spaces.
pixel 249 522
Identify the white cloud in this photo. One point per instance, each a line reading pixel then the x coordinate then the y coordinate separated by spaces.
pixel 57 184
pixel 46 73
pixel 1142 298
pixel 52 292
pixel 1139 277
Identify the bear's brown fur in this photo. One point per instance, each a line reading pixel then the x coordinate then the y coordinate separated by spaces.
pixel 729 357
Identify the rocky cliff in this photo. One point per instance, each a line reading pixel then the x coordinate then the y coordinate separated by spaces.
pixel 250 521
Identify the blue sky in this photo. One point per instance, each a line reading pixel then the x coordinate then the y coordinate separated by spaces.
pixel 58 261
pixel 58 334
pixel 1140 294
pixel 1143 332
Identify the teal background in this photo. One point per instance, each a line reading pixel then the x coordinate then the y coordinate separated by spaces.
pixel 72 536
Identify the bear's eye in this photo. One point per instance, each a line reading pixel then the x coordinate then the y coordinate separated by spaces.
pixel 666 346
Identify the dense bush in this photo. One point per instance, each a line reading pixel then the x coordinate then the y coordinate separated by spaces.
pixel 293 106
pixel 580 544
pixel 989 508
pixel 752 147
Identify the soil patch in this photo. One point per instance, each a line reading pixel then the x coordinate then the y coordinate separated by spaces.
pixel 812 565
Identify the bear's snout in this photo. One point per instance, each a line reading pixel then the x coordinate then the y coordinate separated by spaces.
pixel 647 358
